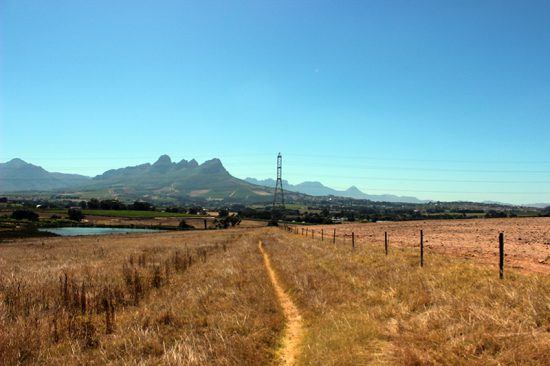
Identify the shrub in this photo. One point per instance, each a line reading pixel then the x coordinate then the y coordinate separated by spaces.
pixel 492 214
pixel 226 221
pixel 24 215
pixel 75 214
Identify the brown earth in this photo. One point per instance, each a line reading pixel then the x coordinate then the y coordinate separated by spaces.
pixel 527 240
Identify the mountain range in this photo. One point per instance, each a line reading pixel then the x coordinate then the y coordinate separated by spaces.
pixel 162 180
pixel 318 189
pixel 168 181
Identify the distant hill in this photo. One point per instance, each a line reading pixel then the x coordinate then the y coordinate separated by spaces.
pixel 318 189
pixel 538 205
pixel 17 175
pixel 164 178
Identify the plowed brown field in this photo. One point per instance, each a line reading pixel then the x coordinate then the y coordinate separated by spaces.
pixel 527 240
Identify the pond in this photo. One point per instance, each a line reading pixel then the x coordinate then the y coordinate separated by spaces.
pixel 74 231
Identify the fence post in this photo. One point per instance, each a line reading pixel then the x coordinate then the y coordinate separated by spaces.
pixel 352 240
pixel 386 242
pixel 312 233
pixel 501 255
pixel 421 248
pixel 307 229
pixel 205 224
pixel 334 237
pixel 322 234
pixel 302 231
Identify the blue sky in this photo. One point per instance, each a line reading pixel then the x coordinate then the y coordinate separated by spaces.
pixel 435 99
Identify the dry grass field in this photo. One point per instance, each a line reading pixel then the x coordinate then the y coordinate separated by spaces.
pixel 362 307
pixel 527 240
pixel 208 298
pixel 169 298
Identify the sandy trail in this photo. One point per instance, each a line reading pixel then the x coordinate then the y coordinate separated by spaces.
pixel 294 329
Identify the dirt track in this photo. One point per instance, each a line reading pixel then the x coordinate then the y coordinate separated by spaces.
pixel 293 328
pixel 527 240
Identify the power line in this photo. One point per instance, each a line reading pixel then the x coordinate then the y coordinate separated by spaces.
pixel 370 167
pixel 431 180
pixel 370 157
pixel 455 192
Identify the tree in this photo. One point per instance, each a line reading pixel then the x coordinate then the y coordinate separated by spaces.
pixel 93 204
pixel 194 210
pixel 24 215
pixel 75 214
pixel 493 214
pixel 112 205
pixel 142 206
pixel 225 222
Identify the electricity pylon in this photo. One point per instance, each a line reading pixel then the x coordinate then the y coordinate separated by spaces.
pixel 279 184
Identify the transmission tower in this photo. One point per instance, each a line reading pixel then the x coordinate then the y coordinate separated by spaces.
pixel 279 184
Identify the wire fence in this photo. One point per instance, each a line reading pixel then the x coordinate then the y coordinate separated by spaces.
pixel 351 238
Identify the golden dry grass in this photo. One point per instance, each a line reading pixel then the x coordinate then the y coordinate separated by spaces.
pixel 362 307
pixel 190 298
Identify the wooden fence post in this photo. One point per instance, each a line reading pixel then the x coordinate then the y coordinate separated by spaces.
pixel 352 240
pixel 205 224
pixel 322 235
pixel 334 237
pixel 421 248
pixel 501 255
pixel 307 231
pixel 386 242
pixel 312 233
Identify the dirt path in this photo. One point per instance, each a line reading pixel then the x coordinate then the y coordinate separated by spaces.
pixel 294 329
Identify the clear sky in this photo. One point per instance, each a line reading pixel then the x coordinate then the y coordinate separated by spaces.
pixel 435 99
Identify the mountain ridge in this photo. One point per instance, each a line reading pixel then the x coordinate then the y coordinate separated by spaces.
pixel 18 175
pixel 315 188
pixel 163 178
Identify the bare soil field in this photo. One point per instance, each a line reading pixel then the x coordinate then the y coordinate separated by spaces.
pixel 527 240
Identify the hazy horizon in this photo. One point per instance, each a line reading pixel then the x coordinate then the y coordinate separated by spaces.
pixel 437 100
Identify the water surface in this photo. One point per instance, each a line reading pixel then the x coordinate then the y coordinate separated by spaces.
pixel 74 231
